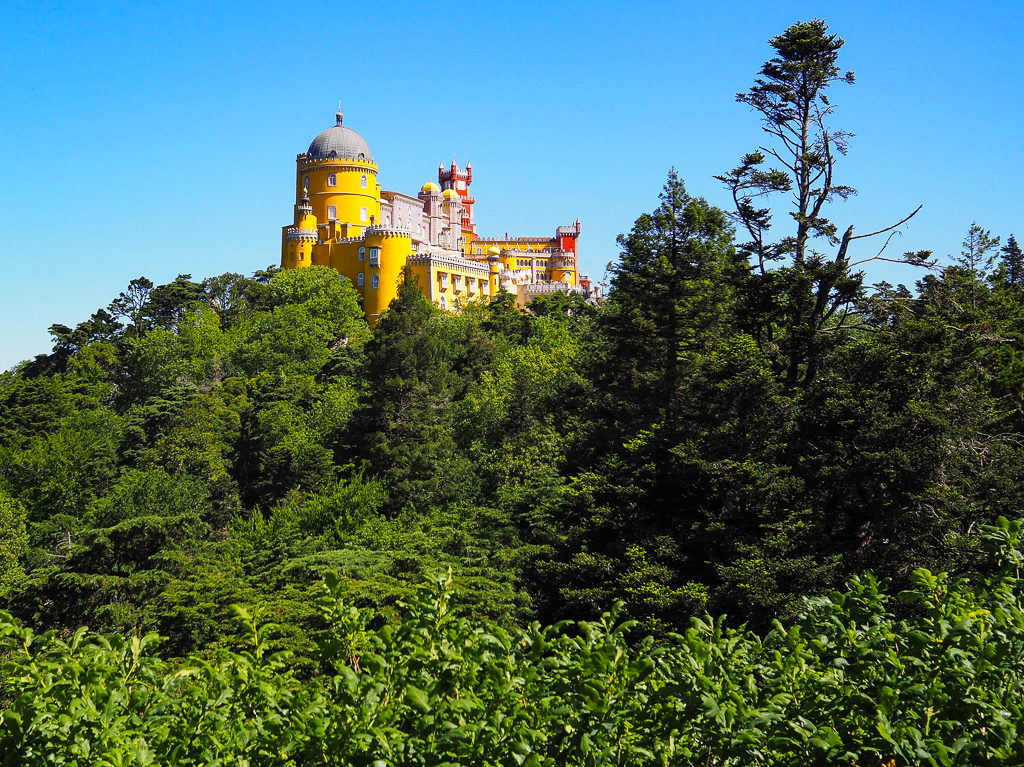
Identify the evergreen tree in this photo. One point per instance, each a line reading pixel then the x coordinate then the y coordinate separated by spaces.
pixel 1012 262
pixel 977 253
pixel 813 292
pixel 674 288
pixel 402 427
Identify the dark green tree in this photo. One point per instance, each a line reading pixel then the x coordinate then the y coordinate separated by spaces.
pixel 977 254
pixel 673 291
pixel 1011 259
pixel 402 428
pixel 168 304
pixel 678 393
pixel 130 305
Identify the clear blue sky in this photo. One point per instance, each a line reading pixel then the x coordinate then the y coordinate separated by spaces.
pixel 160 138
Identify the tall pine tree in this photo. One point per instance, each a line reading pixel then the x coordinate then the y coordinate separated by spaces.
pixel 402 428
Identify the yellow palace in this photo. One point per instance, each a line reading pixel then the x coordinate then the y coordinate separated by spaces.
pixel 343 220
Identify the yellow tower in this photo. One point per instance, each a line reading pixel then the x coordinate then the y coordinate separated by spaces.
pixel 297 248
pixel 338 175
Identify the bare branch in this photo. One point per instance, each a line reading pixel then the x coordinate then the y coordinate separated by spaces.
pixel 898 223
pixel 778 157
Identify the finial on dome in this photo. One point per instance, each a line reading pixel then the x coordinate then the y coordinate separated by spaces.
pixel 339 116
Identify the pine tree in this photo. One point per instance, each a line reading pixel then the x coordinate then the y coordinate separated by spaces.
pixel 814 291
pixel 402 428
pixel 673 289
pixel 1012 258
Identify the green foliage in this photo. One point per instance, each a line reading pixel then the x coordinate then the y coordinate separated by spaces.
pixel 403 421
pixel 13 541
pixel 847 682
pixel 190 355
pixel 306 313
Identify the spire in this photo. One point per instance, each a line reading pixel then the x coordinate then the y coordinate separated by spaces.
pixel 339 116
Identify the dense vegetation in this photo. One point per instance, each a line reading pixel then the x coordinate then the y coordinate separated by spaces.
pixel 847 683
pixel 741 425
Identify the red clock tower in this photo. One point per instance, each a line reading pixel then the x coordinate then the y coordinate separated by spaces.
pixel 459 180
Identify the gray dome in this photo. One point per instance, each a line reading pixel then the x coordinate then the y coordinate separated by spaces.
pixel 341 142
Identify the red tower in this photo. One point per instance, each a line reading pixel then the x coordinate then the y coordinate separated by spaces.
pixel 567 237
pixel 459 180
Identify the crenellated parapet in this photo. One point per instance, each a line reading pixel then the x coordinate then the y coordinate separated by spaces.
pixel 335 164
pixel 534 289
pixel 451 262
pixel 298 233
pixel 381 231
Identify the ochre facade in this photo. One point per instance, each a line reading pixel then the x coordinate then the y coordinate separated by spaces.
pixel 343 220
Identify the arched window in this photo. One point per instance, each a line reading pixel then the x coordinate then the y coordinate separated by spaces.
pixel 441 303
pixel 362 254
pixel 332 213
pixel 359 279
pixel 332 179
pixel 362 181
pixel 362 214
pixel 375 281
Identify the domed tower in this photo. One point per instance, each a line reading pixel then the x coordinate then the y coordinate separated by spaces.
pixel 459 180
pixel 451 216
pixel 338 176
pixel 430 195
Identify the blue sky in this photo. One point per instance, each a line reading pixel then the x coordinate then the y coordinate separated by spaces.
pixel 160 138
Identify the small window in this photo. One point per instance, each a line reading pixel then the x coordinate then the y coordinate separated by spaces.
pixel 374 256
pixel 460 184
pixel 332 213
pixel 305 182
pixel 359 279
pixel 362 214
pixel 457 279
pixel 332 179
pixel 375 281
pixel 479 251
pixel 441 303
pixel 362 254
pixel 362 181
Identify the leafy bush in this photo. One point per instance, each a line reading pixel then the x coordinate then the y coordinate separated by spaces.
pixel 847 683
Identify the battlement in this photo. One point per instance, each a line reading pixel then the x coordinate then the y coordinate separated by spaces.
pixel 550 288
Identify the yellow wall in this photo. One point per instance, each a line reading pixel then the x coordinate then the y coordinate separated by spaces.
pixel 347 195
pixel 394 250
pixel 453 284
